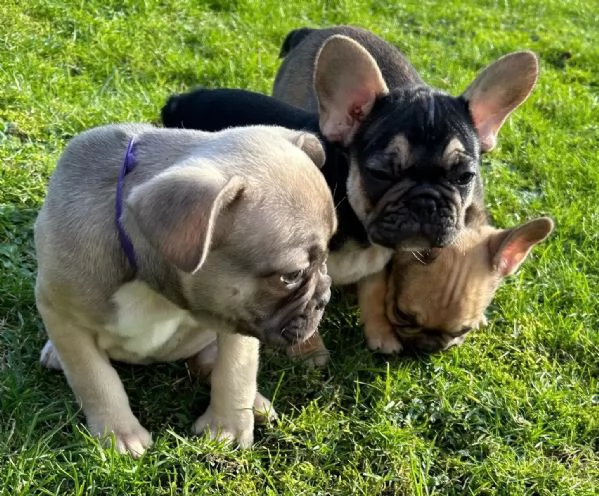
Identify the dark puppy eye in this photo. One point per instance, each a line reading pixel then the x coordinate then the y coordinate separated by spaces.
pixel 292 278
pixel 465 178
pixel 402 316
pixel 379 174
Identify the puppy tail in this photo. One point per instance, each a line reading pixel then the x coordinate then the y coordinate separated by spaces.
pixel 169 113
pixel 293 39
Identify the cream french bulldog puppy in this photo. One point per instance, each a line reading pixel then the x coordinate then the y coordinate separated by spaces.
pixel 156 245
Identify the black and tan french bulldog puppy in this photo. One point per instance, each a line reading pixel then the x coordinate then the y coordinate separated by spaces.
pixel 156 245
pixel 414 151
pixel 432 300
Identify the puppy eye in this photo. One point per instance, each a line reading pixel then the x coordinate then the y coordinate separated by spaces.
pixel 292 278
pixel 465 178
pixel 402 316
pixel 379 174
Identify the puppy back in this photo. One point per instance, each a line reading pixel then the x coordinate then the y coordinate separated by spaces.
pixel 293 39
pixel 294 80
pixel 218 109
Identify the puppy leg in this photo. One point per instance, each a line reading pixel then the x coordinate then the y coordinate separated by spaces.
pixel 312 351
pixel 94 381
pixel 229 415
pixel 201 365
pixel 377 328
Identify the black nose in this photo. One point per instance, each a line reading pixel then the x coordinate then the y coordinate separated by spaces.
pixel 423 206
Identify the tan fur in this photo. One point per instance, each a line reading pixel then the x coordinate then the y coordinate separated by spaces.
pixel 465 280
pixel 452 151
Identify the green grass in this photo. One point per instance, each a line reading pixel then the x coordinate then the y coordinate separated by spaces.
pixel 513 411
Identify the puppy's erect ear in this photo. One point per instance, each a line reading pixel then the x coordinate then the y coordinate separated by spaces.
pixel 347 81
pixel 498 91
pixel 177 212
pixel 510 247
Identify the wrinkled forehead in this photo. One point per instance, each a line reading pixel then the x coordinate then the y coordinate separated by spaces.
pixel 450 290
pixel 427 119
pixel 280 231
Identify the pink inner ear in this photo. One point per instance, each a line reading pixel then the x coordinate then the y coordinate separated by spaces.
pixel 513 255
pixel 357 113
pixel 487 120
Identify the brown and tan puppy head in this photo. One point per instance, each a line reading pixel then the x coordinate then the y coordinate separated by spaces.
pixel 434 300
pixel 247 231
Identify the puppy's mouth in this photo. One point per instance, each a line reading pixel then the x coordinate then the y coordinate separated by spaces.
pixel 420 339
pixel 290 325
pixel 431 341
pixel 421 219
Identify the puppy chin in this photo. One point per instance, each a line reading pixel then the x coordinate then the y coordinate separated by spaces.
pixel 432 342
pixel 413 238
pixel 295 331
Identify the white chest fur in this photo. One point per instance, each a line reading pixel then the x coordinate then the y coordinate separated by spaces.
pixel 148 327
pixel 354 262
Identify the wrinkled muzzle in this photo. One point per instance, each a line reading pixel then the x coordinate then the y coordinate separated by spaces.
pixel 423 217
pixel 298 317
pixel 431 341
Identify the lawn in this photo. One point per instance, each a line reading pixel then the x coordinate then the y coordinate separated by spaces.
pixel 513 411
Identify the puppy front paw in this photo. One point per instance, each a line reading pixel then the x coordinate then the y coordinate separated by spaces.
pixel 128 437
pixel 381 338
pixel 264 413
pixel 234 426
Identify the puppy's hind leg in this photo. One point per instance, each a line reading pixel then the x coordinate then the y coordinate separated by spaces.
pixel 94 381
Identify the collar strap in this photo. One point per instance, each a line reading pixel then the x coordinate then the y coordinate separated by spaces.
pixel 128 166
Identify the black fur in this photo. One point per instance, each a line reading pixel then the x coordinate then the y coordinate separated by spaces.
pixel 293 39
pixel 428 119
pixel 422 203
pixel 214 110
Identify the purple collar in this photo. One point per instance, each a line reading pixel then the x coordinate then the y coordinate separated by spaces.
pixel 128 166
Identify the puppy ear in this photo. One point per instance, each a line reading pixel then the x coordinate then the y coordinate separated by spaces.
pixel 498 91
pixel 177 212
pixel 306 142
pixel 311 146
pixel 510 247
pixel 347 81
